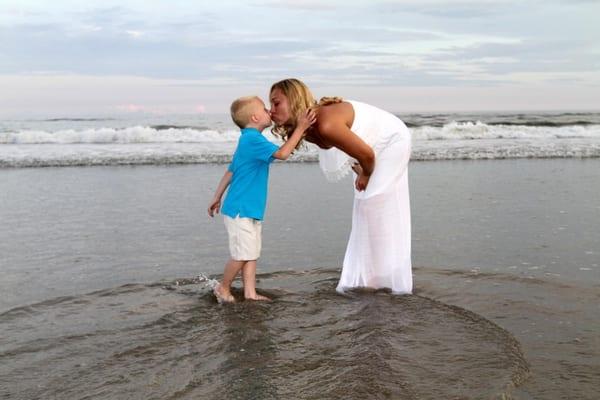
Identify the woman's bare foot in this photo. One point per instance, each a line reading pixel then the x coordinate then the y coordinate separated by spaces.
pixel 257 297
pixel 222 295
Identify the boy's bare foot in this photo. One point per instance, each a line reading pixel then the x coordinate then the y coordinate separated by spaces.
pixel 222 295
pixel 257 297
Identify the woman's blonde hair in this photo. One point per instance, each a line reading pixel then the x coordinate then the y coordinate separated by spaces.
pixel 300 99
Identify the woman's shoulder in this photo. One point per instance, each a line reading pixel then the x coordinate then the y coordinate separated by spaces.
pixel 337 113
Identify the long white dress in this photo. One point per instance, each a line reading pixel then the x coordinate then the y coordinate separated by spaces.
pixel 378 254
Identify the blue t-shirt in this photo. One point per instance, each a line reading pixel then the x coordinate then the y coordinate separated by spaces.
pixel 247 194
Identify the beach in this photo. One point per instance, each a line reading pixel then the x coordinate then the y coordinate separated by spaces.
pixel 107 270
pixel 116 132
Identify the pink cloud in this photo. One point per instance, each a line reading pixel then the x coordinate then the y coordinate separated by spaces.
pixel 130 107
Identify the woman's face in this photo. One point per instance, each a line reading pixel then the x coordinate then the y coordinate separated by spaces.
pixel 280 107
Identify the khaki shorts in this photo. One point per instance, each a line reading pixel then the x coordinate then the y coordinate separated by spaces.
pixel 244 238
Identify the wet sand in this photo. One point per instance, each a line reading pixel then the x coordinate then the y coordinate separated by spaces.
pixel 509 244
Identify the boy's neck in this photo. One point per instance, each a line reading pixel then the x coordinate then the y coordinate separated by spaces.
pixel 257 127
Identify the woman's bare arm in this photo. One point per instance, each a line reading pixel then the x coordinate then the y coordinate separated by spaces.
pixel 332 125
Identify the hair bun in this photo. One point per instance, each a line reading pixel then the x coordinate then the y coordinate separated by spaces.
pixel 330 100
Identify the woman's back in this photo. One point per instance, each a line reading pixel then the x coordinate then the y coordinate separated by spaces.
pixel 375 126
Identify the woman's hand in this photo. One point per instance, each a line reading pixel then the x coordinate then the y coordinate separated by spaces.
pixel 305 120
pixel 362 180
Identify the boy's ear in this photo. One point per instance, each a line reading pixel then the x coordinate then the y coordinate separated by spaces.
pixel 254 118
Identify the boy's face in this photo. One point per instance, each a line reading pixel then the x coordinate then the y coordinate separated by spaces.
pixel 262 114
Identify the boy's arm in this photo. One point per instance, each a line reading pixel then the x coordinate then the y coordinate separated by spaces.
pixel 304 122
pixel 215 204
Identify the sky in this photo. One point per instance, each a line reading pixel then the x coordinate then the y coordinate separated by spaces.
pixel 77 58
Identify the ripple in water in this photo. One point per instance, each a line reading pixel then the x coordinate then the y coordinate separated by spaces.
pixel 173 341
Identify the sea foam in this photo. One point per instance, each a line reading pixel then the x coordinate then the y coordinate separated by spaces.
pixel 67 142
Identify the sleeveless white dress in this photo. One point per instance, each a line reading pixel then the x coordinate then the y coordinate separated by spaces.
pixel 378 254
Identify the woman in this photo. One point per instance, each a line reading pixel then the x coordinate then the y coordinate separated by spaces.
pixel 376 145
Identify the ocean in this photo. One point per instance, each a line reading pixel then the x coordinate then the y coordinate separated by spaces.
pixel 190 139
pixel 106 270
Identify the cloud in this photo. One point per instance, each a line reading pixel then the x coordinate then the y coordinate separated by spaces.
pixel 448 9
pixel 134 34
pixel 130 108
pixel 308 5
pixel 105 16
pixel 227 44
pixel 531 56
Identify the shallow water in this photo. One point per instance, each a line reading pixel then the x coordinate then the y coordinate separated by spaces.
pixel 171 340
pixel 99 300
pixel 556 324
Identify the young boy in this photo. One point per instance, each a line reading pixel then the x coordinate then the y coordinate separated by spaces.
pixel 247 177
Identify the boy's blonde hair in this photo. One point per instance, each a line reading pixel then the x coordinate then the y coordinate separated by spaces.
pixel 241 110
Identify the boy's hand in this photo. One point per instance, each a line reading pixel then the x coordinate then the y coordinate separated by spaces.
pixel 214 207
pixel 306 120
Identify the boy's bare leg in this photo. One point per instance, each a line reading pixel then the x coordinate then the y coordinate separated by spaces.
pixel 223 290
pixel 249 279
